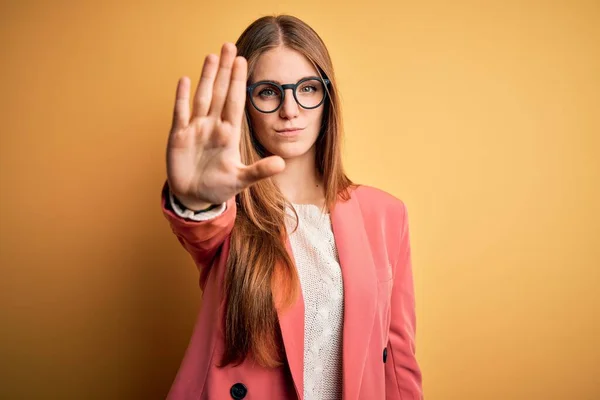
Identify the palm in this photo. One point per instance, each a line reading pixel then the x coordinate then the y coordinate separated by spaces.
pixel 203 154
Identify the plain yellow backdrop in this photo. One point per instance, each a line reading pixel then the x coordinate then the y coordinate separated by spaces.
pixel 481 115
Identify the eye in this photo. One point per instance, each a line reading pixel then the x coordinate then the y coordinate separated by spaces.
pixel 312 87
pixel 308 89
pixel 267 93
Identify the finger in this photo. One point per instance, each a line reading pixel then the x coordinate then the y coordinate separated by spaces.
pixel 181 112
pixel 222 80
pixel 261 169
pixel 236 97
pixel 205 86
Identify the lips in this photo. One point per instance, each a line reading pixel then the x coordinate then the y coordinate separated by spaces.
pixel 289 132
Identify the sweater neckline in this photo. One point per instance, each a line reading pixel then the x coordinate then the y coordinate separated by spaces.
pixel 309 207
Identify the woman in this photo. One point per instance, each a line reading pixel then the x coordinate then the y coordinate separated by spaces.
pixel 306 277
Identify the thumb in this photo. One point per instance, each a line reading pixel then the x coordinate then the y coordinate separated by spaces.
pixel 262 169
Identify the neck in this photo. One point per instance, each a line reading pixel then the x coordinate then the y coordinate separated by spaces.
pixel 299 181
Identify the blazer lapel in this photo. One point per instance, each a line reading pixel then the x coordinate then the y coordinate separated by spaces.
pixel 360 291
pixel 291 322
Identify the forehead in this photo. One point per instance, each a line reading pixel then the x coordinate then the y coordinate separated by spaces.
pixel 282 65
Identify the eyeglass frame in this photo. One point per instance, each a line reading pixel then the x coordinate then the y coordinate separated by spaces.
pixel 284 87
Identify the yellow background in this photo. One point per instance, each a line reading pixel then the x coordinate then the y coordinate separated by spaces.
pixel 482 116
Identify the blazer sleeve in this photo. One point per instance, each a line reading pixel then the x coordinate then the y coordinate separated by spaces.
pixel 202 239
pixel 402 372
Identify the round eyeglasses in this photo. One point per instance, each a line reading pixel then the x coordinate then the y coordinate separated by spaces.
pixel 268 96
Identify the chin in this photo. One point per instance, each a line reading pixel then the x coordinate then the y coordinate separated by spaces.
pixel 290 150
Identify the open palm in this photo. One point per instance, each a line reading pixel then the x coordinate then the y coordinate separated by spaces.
pixel 203 152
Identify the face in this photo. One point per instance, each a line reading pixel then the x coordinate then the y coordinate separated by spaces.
pixel 286 66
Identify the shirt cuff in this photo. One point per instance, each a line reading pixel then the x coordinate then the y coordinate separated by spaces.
pixel 196 216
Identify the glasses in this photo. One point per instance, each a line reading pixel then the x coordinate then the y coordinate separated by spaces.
pixel 268 96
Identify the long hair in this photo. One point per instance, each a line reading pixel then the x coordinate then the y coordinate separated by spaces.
pixel 261 276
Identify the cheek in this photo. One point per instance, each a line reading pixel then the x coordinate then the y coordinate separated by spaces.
pixel 317 119
pixel 261 123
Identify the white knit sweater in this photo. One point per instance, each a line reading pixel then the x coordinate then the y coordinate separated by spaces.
pixel 317 262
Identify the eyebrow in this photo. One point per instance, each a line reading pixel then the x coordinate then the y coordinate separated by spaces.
pixel 278 82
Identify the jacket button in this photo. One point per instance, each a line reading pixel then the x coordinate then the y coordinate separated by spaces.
pixel 384 355
pixel 238 391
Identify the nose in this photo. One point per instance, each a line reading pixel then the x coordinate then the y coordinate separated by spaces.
pixel 289 108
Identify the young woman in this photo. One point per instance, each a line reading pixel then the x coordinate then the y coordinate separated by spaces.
pixel 306 276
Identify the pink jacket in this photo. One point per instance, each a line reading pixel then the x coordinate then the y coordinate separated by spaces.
pixel 372 238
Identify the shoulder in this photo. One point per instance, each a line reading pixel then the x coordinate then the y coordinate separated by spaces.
pixel 377 202
pixel 384 217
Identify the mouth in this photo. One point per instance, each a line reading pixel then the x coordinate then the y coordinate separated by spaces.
pixel 289 131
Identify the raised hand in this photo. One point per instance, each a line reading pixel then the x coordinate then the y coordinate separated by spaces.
pixel 203 156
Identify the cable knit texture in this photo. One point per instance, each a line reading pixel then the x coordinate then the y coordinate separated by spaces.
pixel 317 261
pixel 320 275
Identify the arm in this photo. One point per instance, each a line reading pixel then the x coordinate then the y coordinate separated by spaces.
pixel 202 238
pixel 402 372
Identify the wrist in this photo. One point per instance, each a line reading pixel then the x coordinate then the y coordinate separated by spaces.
pixel 196 207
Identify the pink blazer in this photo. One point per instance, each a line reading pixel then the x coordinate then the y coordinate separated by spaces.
pixel 372 238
